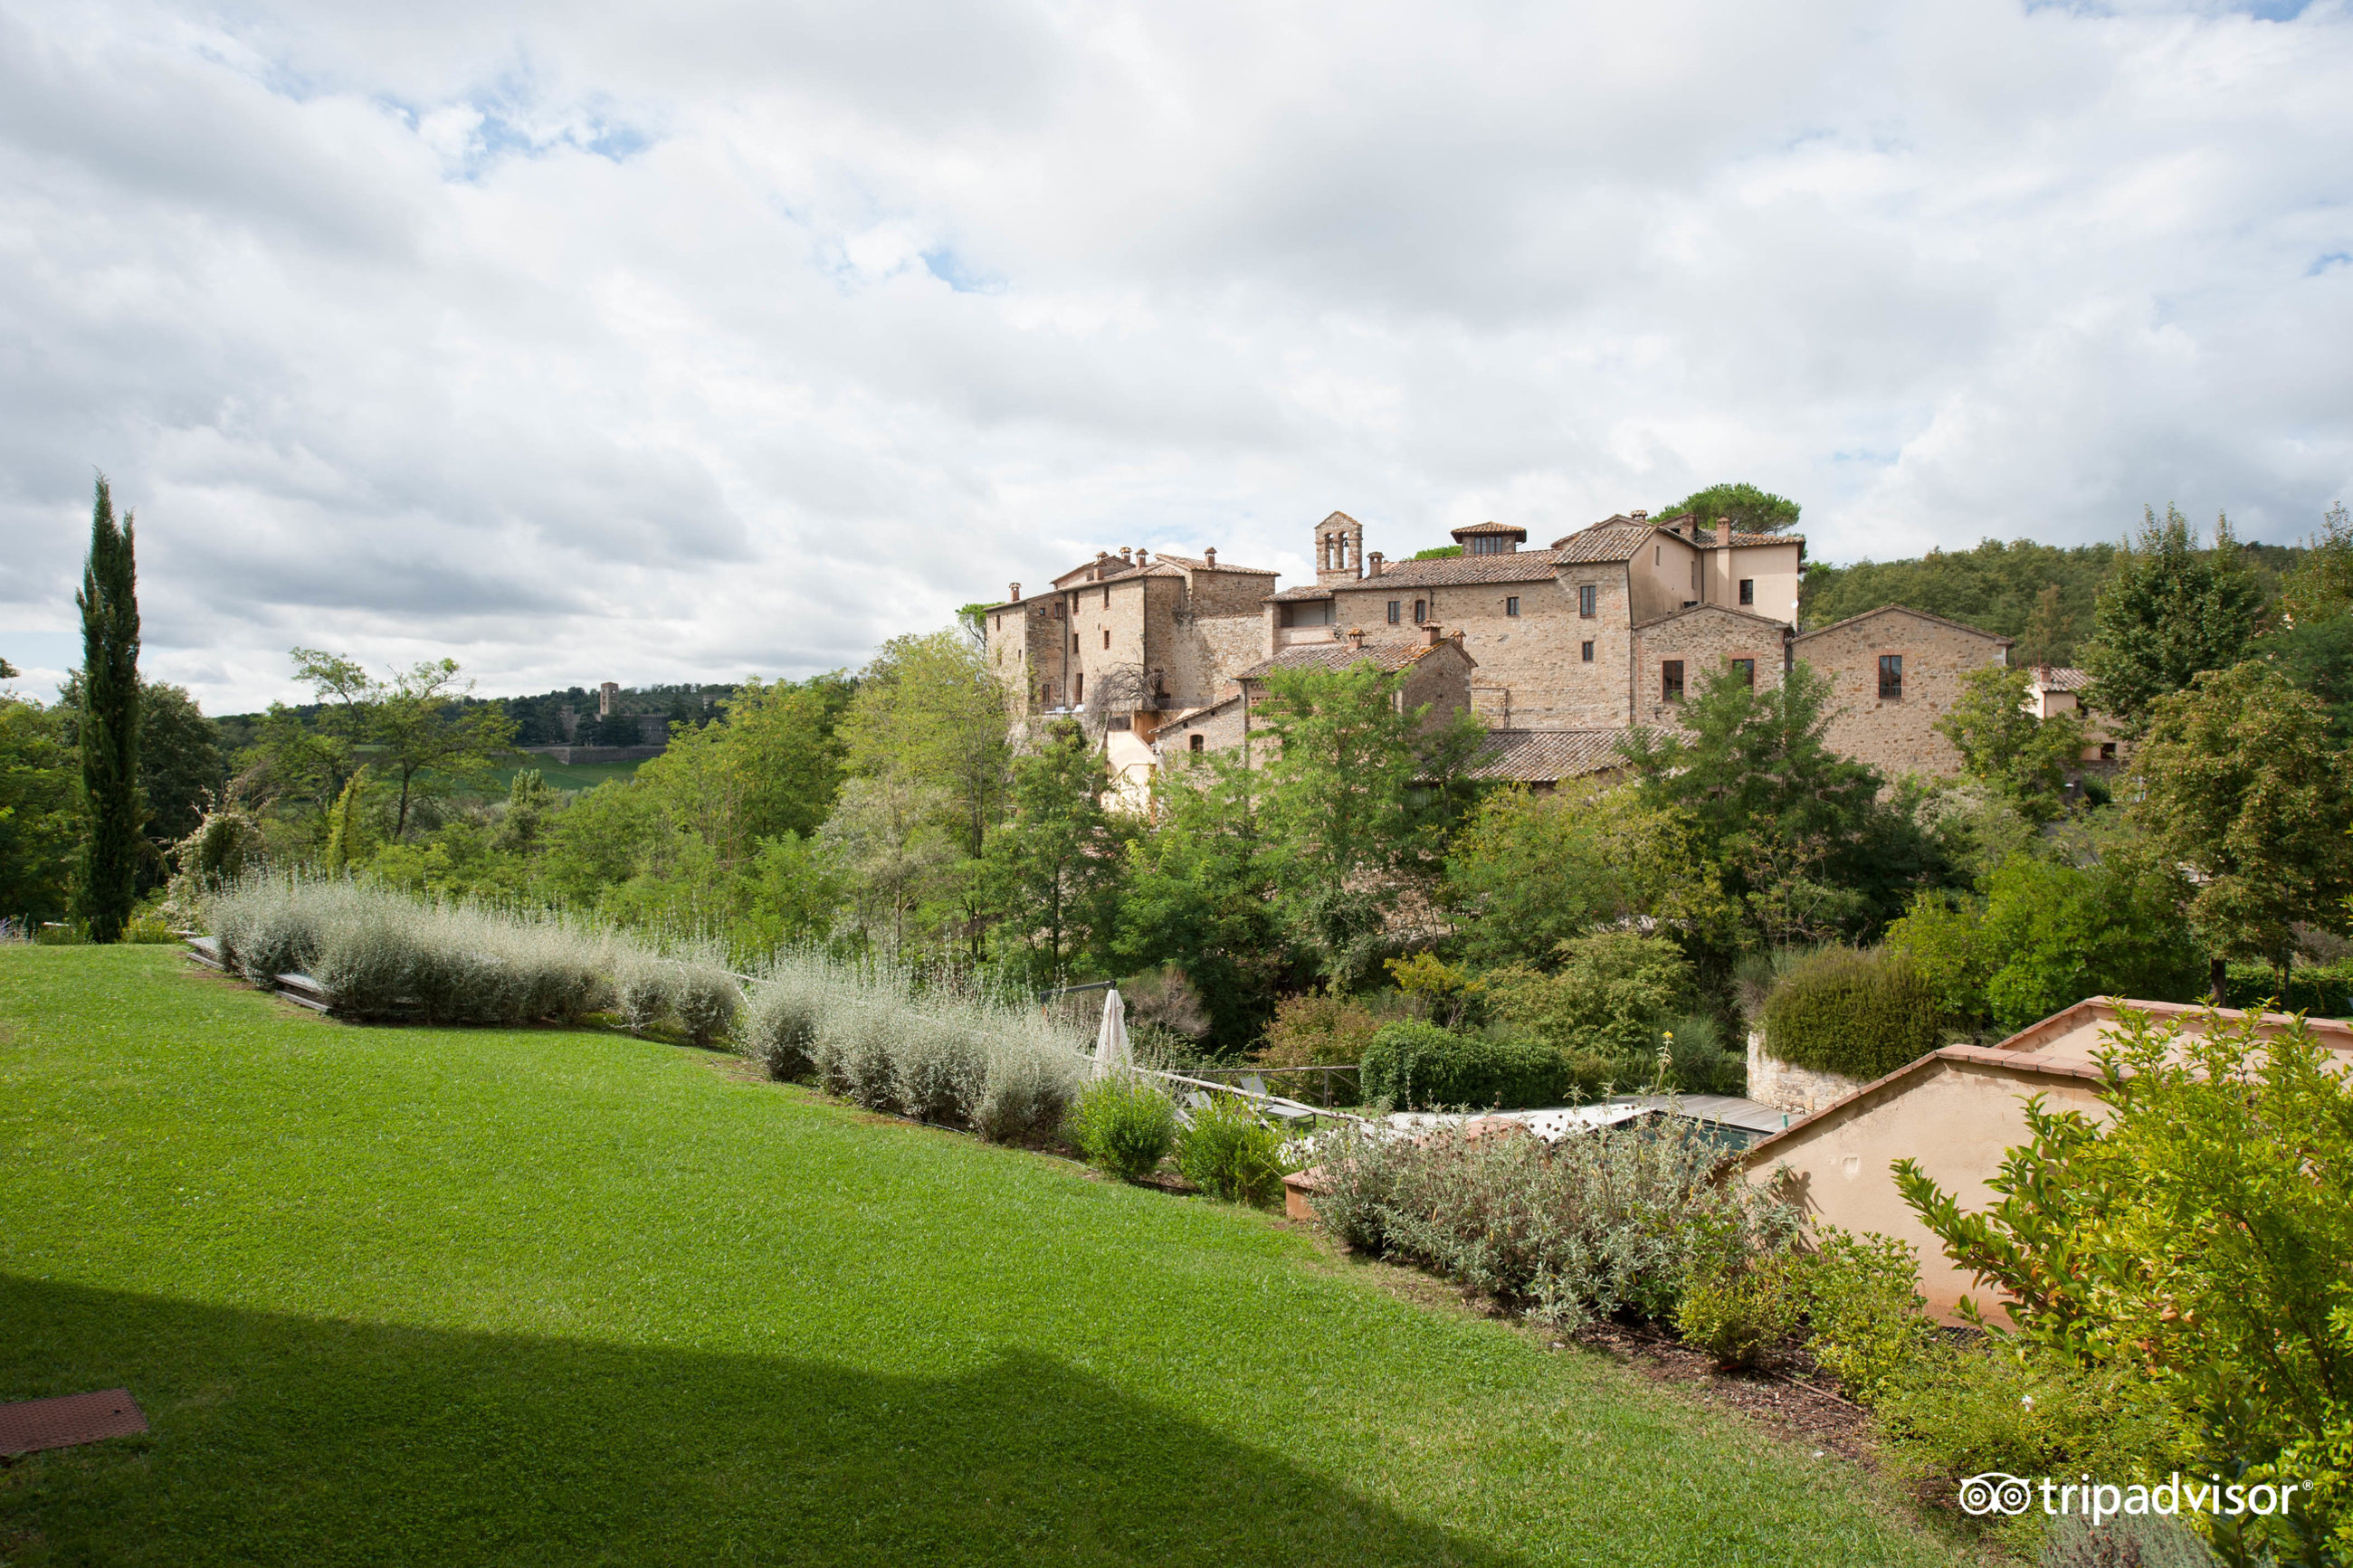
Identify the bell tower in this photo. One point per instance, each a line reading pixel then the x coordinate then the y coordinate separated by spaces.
pixel 1339 548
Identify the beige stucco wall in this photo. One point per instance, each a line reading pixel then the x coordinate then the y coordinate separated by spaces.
pixel 1896 737
pixel 1663 576
pixel 1771 568
pixel 1955 1118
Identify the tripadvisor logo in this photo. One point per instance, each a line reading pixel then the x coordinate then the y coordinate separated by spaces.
pixel 1995 1493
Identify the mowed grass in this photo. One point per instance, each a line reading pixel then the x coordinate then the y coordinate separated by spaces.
pixel 555 774
pixel 414 1295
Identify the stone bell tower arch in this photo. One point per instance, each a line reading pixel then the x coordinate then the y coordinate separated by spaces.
pixel 1339 548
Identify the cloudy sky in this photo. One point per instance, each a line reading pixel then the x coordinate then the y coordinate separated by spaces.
pixel 691 341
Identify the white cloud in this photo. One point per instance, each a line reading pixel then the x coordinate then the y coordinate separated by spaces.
pixel 652 343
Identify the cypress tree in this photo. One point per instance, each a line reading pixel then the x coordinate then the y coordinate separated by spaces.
pixel 110 724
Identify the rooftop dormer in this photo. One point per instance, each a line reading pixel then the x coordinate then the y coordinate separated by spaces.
pixel 1490 539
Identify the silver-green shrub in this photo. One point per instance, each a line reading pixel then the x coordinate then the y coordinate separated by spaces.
pixel 930 1044
pixel 379 953
pixel 1593 1224
pixel 705 999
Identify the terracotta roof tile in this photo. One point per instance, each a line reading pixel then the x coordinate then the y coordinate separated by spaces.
pixel 1339 655
pixel 2053 678
pixel 1457 571
pixel 1191 564
pixel 1905 610
pixel 1604 542
pixel 1537 756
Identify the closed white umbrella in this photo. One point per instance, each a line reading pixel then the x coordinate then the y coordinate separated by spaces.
pixel 1110 1040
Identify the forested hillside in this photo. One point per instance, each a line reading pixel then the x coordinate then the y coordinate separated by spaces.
pixel 2038 594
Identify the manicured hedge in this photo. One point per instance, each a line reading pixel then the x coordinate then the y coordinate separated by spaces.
pixel 1420 1066
pixel 1861 1015
pixel 2322 990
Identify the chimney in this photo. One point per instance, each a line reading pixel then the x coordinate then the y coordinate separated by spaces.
pixel 1209 556
pixel 1013 593
pixel 1641 517
pixel 1355 636
pixel 1376 559
pixel 1144 558
pixel 1127 555
pixel 1430 635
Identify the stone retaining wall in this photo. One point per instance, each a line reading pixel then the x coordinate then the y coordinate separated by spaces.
pixel 1787 1087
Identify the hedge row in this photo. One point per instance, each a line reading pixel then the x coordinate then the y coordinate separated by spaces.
pixel 1418 1065
pixel 1860 1015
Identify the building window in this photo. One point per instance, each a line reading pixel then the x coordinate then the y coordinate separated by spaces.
pixel 1694 573
pixel 1658 555
pixel 1588 600
pixel 1106 637
pixel 1196 743
pixel 2107 751
pixel 1394 612
pixel 1078 689
pixel 1587 654
pixel 1420 611
pixel 1748 590
pixel 1106 595
pixel 1891 678
pixel 1746 669
pixel 1671 681
pixel 1511 604
pixel 1074 642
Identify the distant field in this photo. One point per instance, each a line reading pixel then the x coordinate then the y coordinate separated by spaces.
pixel 565 775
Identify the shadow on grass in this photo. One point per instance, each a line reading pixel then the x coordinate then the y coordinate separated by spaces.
pixel 286 1439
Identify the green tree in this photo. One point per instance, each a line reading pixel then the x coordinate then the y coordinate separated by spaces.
pixel 107 885
pixel 295 774
pixel 1200 893
pixel 1054 871
pixel 785 737
pixel 2198 1238
pixel 1752 511
pixel 1808 849
pixel 181 769
pixel 2236 781
pixel 1605 998
pixel 424 748
pixel 2320 588
pixel 2054 933
pixel 2167 611
pixel 40 811
pixel 1358 794
pixel 2317 657
pixel 1529 872
pixel 7 672
pixel 885 840
pixel 2005 746
pixel 2040 593
pixel 928 708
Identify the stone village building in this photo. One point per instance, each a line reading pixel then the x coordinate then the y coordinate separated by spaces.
pixel 1560 651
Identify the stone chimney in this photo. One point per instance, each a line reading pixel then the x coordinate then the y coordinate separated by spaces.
pixel 1144 558
pixel 1374 560
pixel 1127 555
pixel 1641 517
pixel 1431 636
pixel 1013 593
pixel 1355 636
pixel 1209 556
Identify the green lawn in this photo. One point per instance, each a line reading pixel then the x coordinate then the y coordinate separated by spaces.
pixel 559 775
pixel 410 1296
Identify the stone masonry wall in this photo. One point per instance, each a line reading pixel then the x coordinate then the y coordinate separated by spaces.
pixel 1801 1092
pixel 1896 737
pixel 1706 639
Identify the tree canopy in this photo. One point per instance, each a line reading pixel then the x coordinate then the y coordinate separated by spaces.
pixel 1751 510
pixel 2168 610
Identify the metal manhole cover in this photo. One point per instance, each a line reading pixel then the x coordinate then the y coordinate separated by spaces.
pixel 62 1423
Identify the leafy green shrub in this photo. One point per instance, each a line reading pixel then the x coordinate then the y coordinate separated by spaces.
pixel 62 933
pixel 1741 1309
pixel 1315 1029
pixel 1231 1153
pixel 1868 1322
pixel 1598 1223
pixel 148 929
pixel 1123 1125
pixel 2323 991
pixel 1702 1061
pixel 1417 1065
pixel 1859 1013
pixel 1605 997
pixel 2194 1247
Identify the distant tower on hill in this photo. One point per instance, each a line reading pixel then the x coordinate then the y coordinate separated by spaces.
pixel 608 695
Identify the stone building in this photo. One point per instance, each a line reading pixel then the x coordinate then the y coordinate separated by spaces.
pixel 1149 636
pixel 1563 649
pixel 2053 689
pixel 1438 674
